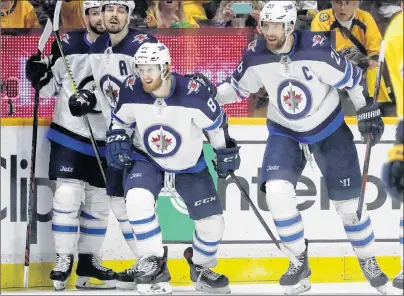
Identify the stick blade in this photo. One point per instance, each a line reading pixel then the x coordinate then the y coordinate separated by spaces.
pixel 45 36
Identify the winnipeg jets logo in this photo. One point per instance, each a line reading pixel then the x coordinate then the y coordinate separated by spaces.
pixel 193 86
pixel 130 82
pixel 161 141
pixel 140 38
pixel 251 46
pixel 110 87
pixel 65 38
pixel 318 40
pixel 294 99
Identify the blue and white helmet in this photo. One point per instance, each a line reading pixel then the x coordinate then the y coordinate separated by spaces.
pixel 281 12
pixel 129 4
pixel 90 4
pixel 154 54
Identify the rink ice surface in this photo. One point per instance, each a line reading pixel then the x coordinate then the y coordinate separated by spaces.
pixel 255 289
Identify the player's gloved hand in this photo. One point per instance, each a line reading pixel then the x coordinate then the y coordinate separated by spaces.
pixel 83 103
pixel 119 149
pixel 393 173
pixel 38 70
pixel 227 159
pixel 370 122
pixel 202 79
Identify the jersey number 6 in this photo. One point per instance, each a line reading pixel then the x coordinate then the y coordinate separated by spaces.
pixel 211 105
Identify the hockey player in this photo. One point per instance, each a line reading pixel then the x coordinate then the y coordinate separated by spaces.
pixel 168 114
pixel 112 55
pixel 301 73
pixel 72 159
pixel 393 171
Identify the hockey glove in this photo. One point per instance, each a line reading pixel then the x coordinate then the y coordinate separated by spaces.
pixel 227 160
pixel 38 71
pixel 393 173
pixel 83 103
pixel 202 79
pixel 370 123
pixel 119 149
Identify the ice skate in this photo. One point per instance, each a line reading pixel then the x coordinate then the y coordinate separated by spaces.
pixel 62 271
pixel 152 276
pixel 205 279
pixel 373 274
pixel 126 278
pixel 296 279
pixel 89 267
pixel 398 284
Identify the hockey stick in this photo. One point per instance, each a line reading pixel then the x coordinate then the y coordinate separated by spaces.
pixel 41 45
pixel 73 85
pixel 368 145
pixel 281 247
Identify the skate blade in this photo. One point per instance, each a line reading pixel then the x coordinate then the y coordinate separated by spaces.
pixel 162 288
pixel 59 285
pixel 88 283
pixel 382 289
pixel 126 285
pixel 303 286
pixel 398 291
pixel 208 289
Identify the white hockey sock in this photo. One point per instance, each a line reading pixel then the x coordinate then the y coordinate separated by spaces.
pixel 207 237
pixel 359 233
pixel 118 207
pixel 281 200
pixel 66 205
pixel 93 220
pixel 140 206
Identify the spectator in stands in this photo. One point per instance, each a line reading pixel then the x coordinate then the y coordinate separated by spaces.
pixel 170 14
pixel 356 36
pixel 18 15
pixel 224 14
pixel 306 11
pixel 71 15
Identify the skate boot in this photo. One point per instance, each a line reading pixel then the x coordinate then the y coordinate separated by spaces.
pixel 296 279
pixel 398 283
pixel 205 279
pixel 89 266
pixel 126 278
pixel 62 270
pixel 152 275
pixel 373 274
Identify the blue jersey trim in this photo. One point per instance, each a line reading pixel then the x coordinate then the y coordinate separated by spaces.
pixel 327 128
pixel 73 144
pixel 200 165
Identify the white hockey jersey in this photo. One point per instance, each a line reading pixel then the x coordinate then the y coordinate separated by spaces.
pixel 302 86
pixel 116 63
pixel 66 129
pixel 171 129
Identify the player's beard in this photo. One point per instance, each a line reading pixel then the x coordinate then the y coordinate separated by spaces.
pixel 278 44
pixel 151 87
pixel 114 28
pixel 97 30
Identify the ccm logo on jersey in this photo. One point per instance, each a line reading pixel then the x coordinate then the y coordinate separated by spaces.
pixel 204 201
pixel 318 40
